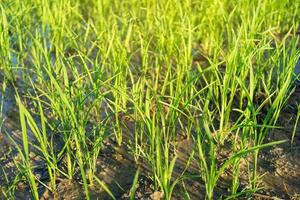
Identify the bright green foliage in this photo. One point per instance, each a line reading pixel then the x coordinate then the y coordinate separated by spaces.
pixel 191 68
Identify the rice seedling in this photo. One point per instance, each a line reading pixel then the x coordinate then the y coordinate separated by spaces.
pixel 296 123
pixel 92 77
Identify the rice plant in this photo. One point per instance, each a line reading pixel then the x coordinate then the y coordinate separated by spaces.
pixel 91 77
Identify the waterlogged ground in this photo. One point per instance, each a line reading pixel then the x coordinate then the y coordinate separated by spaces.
pixel 279 165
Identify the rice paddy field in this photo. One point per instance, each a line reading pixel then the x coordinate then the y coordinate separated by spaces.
pixel 149 99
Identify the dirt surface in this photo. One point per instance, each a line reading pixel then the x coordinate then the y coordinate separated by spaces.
pixel 281 164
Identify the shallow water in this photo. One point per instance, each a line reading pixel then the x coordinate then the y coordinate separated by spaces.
pixel 297 71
